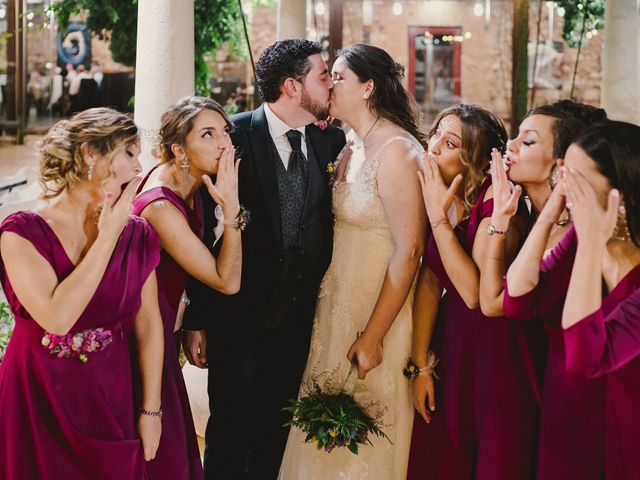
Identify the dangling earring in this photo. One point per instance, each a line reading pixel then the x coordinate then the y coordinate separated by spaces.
pixel 90 172
pixel 185 168
pixel 621 231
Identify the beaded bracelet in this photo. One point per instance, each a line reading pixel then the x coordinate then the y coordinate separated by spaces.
pixel 411 370
pixel 151 413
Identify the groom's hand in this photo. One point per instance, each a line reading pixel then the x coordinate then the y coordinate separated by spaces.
pixel 368 352
pixel 195 347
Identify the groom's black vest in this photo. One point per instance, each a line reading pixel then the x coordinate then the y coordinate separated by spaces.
pixel 304 230
pixel 301 223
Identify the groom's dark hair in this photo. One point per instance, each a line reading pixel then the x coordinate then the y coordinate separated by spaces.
pixel 282 60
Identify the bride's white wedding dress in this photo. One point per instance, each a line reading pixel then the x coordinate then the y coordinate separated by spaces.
pixel 361 251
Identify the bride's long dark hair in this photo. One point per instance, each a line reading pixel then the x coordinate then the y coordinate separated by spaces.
pixel 389 98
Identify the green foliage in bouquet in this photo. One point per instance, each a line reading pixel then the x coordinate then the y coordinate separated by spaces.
pixel 6 327
pixel 333 419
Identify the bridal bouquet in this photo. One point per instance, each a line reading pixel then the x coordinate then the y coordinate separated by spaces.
pixel 334 418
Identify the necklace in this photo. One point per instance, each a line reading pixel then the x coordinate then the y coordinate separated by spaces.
pixel 366 135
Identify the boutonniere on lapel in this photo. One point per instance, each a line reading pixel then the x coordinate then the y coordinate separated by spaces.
pixel 344 155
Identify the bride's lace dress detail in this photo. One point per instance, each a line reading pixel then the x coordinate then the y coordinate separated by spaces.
pixel 361 251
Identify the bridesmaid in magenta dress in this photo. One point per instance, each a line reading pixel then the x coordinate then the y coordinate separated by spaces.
pixel 482 421
pixel 80 281
pixel 532 157
pixel 194 144
pixel 602 333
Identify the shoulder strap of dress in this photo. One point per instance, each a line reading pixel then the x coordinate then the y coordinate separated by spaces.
pixel 32 227
pixel 144 199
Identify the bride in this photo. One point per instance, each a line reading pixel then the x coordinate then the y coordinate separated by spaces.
pixel 368 289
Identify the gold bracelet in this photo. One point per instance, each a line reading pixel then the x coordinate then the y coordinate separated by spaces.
pixel 437 223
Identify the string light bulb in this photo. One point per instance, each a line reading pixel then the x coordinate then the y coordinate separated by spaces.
pixel 397 8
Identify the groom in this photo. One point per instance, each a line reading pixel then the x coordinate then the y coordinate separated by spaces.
pixel 257 341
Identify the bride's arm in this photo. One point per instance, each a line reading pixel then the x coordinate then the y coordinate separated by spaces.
pixel 406 217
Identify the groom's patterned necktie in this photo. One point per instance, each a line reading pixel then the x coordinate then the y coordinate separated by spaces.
pixel 297 157
pixel 294 196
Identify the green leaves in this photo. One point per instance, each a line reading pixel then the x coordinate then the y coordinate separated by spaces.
pixel 591 12
pixel 6 327
pixel 216 22
pixel 333 420
pixel 114 20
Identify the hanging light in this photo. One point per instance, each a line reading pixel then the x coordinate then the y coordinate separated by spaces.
pixel 320 9
pixel 561 11
pixel 478 9
pixel 3 13
pixel 397 8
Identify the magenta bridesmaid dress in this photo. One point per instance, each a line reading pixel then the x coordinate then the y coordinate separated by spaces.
pixel 606 344
pixel 485 425
pixel 178 456
pixel 571 445
pixel 60 417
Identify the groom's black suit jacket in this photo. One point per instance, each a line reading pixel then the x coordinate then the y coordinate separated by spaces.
pixel 257 340
pixel 263 258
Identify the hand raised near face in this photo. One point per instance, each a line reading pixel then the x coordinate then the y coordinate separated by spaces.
pixel 435 193
pixel 225 190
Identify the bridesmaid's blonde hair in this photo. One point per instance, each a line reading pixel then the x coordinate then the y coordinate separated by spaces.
pixel 481 132
pixel 62 165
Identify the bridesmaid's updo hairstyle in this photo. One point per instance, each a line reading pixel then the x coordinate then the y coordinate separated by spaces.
pixel 571 118
pixel 62 164
pixel 615 149
pixel 177 122
pixel 389 99
pixel 481 132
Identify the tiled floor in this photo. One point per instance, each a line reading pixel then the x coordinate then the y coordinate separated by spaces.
pixel 13 157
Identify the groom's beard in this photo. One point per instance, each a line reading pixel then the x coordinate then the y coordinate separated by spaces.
pixel 314 107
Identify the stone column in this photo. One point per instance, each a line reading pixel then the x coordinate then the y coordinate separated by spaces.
pixel 621 60
pixel 164 64
pixel 292 19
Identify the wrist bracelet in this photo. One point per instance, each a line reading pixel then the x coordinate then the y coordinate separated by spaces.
pixel 437 223
pixel 151 413
pixel 411 370
pixel 241 221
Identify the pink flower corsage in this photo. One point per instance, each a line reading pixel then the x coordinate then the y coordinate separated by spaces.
pixel 77 345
